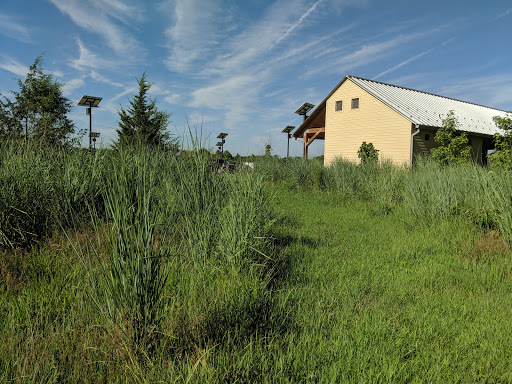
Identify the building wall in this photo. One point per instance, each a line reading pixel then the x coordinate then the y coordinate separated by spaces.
pixel 423 144
pixel 373 122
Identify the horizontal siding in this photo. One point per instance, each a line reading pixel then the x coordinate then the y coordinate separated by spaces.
pixel 373 122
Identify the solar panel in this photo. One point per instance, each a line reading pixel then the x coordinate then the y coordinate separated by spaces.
pixel 219 144
pixel 288 129
pixel 95 134
pixel 221 135
pixel 304 109
pixel 89 101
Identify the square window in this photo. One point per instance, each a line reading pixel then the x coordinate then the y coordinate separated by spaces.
pixel 339 106
pixel 355 103
pixel 427 137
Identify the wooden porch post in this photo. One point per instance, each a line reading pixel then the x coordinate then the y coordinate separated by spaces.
pixel 305 145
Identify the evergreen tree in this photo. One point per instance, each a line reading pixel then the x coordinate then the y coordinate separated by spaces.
pixel 40 108
pixel 143 123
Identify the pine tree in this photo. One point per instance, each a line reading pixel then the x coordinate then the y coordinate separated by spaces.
pixel 143 123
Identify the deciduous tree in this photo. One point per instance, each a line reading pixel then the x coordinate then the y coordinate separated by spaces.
pixel 39 108
pixel 453 144
pixel 502 155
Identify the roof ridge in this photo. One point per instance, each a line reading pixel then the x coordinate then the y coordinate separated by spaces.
pixel 426 93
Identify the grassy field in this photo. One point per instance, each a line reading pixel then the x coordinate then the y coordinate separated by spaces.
pixel 139 266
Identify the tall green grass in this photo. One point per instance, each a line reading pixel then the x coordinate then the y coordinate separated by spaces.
pixel 44 189
pixel 147 266
pixel 428 191
pixel 173 256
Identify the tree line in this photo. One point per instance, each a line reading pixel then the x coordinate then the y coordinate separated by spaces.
pixel 38 111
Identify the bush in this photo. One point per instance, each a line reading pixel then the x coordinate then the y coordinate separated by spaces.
pixel 368 153
pixel 453 145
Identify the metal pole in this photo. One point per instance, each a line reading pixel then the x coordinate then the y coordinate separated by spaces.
pixel 288 149
pixel 90 123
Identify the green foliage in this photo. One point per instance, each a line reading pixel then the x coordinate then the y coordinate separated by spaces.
pixel 10 127
pixel 227 155
pixel 43 188
pixel 368 153
pixel 453 145
pixel 142 123
pixel 296 271
pixel 502 155
pixel 39 108
pixel 268 150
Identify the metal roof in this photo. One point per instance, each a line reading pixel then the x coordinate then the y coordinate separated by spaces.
pixel 427 109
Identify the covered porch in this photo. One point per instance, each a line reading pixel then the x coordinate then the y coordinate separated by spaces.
pixel 313 128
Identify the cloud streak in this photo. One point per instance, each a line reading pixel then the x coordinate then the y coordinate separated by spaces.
pixel 192 35
pixel 298 22
pixel 14 30
pixel 410 60
pixel 97 19
pixel 504 14
pixel 11 65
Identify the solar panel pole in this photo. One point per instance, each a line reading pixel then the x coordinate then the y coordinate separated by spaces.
pixel 89 102
pixel 287 130
pixel 90 123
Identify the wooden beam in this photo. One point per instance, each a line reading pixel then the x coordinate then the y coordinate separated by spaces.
pixel 305 147
pixel 320 130
pixel 315 130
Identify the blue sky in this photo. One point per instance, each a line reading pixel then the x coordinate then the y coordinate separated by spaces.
pixel 243 67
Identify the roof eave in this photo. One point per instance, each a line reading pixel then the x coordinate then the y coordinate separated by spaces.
pixel 320 107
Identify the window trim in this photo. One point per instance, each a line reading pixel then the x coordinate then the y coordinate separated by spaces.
pixel 336 109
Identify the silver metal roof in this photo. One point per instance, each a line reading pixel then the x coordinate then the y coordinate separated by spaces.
pixel 429 110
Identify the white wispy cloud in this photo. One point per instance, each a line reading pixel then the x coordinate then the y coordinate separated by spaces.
pixel 298 22
pixel 173 98
pixel 13 29
pixel 95 19
pixel 120 10
pixel 235 96
pixel 315 47
pixel 244 65
pixel 411 59
pixel 88 59
pixel 71 85
pixel 370 53
pixel 12 65
pixel 504 14
pixel 102 79
pixel 196 30
pixel 198 118
pixel 492 91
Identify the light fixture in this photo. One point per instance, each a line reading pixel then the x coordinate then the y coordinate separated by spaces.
pixel 94 136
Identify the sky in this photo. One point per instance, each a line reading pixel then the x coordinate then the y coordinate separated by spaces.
pixel 244 67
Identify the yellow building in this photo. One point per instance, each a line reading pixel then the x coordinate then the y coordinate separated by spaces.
pixel 400 122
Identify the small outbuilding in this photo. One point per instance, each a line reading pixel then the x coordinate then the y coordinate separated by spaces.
pixel 400 122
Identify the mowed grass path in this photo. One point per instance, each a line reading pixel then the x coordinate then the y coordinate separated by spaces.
pixel 387 299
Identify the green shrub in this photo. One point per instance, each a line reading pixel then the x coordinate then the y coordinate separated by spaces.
pixel 453 144
pixel 368 153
